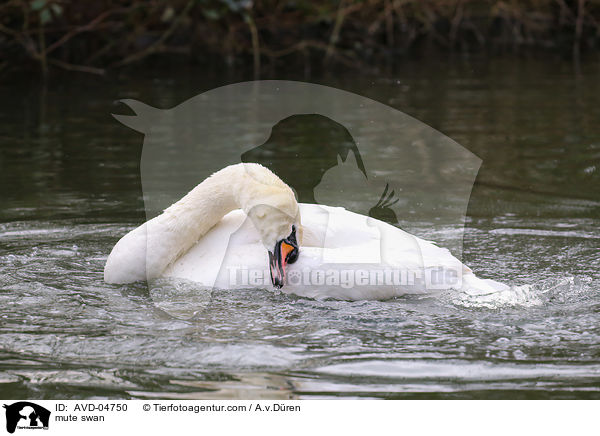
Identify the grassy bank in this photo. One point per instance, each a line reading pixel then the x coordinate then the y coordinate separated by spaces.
pixel 97 36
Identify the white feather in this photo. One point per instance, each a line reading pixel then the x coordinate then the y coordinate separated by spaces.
pixel 218 236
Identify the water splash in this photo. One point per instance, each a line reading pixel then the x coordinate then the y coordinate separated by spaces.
pixel 528 295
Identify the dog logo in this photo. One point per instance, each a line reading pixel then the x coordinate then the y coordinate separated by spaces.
pixel 26 415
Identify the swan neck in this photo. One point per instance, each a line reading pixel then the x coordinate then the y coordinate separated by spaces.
pixel 206 204
pixel 243 186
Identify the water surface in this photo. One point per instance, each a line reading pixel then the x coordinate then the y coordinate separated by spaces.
pixel 70 188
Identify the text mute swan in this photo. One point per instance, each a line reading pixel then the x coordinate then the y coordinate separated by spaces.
pixel 242 227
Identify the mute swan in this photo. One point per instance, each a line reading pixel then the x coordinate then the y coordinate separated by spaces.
pixel 242 227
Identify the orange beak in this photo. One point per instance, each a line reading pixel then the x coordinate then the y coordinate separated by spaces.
pixel 279 260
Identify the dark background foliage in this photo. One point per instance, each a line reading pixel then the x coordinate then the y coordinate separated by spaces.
pixel 96 36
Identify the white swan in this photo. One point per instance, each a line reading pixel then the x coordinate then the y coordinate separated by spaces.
pixel 242 227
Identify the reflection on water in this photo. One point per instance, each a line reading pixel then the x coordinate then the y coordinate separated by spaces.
pixel 70 188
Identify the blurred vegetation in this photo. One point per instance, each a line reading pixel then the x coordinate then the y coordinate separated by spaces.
pixel 96 36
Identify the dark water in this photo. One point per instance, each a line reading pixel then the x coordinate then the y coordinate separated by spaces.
pixel 70 188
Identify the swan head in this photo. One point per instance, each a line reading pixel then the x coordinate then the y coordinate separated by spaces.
pixel 274 211
pixel 280 232
pixel 286 251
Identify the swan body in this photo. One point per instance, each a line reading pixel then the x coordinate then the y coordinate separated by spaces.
pixel 219 235
pixel 145 252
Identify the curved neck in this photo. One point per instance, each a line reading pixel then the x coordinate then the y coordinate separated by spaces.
pixel 180 226
pixel 204 206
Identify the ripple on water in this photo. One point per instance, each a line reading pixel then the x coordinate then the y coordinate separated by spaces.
pixel 64 329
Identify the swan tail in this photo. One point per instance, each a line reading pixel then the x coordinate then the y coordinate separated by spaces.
pixel 473 285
